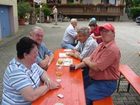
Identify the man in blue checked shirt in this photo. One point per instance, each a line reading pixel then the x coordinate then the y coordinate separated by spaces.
pixel 45 56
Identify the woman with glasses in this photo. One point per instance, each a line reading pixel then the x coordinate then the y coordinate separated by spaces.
pixel 22 78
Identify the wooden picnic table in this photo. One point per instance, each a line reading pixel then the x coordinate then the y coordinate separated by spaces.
pixel 72 87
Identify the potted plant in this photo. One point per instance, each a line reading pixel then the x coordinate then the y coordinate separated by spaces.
pixel 47 12
pixel 23 9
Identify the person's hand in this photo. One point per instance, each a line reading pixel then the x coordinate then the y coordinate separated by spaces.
pixel 54 85
pixel 76 67
pixel 86 60
pixel 70 53
pixel 77 53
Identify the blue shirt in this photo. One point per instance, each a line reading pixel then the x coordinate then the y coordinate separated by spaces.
pixel 43 51
pixel 86 48
pixel 17 77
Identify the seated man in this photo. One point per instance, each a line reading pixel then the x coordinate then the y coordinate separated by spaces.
pixel 86 44
pixel 69 37
pixel 45 56
pixel 94 30
pixel 103 66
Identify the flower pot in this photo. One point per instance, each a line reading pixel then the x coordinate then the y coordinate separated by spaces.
pixel 21 21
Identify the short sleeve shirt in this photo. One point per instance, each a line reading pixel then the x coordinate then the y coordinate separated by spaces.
pixel 43 51
pixel 86 48
pixel 17 77
pixel 97 33
pixel 69 35
pixel 107 59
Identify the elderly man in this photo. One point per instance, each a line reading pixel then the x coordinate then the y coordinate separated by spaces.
pixel 45 56
pixel 103 66
pixel 86 44
pixel 69 37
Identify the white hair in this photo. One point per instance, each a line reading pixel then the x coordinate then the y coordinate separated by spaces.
pixel 73 20
pixel 35 29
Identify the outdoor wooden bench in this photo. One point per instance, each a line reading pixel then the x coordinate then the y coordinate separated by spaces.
pixel 104 101
pixel 132 78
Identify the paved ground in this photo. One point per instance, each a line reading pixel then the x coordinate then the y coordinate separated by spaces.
pixel 127 36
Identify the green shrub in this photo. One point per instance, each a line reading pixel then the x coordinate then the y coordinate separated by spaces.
pixel 23 8
pixel 134 11
pixel 46 10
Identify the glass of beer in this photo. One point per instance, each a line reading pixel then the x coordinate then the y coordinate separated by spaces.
pixel 58 71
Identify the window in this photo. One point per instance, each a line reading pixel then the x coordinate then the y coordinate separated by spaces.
pixel 70 1
pixel 113 2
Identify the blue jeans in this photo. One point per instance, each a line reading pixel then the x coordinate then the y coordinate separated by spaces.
pixel 67 46
pixel 99 89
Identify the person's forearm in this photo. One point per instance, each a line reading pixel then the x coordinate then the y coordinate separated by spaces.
pixel 41 90
pixel 91 65
pixel 80 65
pixel 44 63
pixel 33 94
pixel 51 59
pixel 45 78
pixel 97 37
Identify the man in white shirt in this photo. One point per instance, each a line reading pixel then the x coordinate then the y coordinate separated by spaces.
pixel 69 37
pixel 55 14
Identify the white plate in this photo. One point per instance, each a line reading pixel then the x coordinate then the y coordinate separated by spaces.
pixel 67 49
pixel 63 55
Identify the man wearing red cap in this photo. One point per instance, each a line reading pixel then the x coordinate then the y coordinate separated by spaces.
pixel 103 66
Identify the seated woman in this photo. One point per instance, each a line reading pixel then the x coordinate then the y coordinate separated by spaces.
pixel 85 46
pixel 94 30
pixel 22 78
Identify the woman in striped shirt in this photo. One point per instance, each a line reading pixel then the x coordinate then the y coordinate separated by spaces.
pixel 22 78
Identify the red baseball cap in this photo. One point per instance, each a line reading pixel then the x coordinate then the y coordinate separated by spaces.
pixel 108 27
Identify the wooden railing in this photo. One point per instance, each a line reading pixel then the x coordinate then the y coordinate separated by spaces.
pixel 90 10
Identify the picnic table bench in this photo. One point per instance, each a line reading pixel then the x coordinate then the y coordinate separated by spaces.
pixel 104 101
pixel 132 78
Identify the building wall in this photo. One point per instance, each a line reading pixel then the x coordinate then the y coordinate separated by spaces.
pixel 12 13
pixel 95 2
pixel 63 1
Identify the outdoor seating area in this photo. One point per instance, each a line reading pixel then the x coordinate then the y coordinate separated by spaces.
pixel 74 79
pixel 69 52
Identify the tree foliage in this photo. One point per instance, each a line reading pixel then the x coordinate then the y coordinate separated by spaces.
pixel 23 8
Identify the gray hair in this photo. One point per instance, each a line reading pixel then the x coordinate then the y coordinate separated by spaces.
pixel 73 20
pixel 84 31
pixel 35 29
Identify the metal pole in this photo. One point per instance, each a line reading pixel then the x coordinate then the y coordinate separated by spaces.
pixel 40 12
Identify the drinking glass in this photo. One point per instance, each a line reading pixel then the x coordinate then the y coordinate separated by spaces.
pixel 58 71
